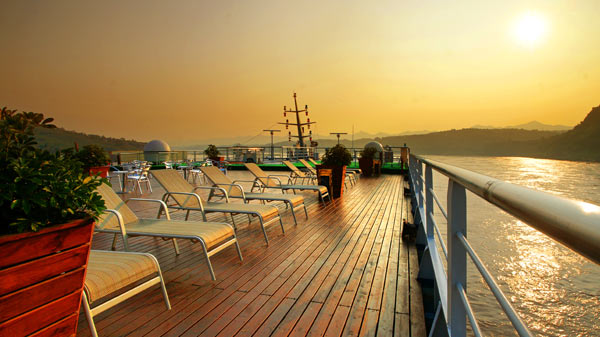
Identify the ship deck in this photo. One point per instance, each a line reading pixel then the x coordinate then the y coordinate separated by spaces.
pixel 343 271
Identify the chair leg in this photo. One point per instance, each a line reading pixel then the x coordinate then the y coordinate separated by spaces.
pixel 114 243
pixel 263 229
pixel 281 223
pixel 293 213
pixel 237 247
pixel 210 268
pixel 162 282
pixel 88 315
pixel 305 211
pixel 176 246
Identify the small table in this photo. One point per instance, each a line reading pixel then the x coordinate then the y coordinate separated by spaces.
pixel 185 169
pixel 123 181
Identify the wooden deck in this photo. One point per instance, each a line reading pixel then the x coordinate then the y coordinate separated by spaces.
pixel 344 271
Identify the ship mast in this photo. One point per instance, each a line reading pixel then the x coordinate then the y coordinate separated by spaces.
pixel 299 124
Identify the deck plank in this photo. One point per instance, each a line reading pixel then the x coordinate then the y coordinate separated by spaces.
pixel 342 271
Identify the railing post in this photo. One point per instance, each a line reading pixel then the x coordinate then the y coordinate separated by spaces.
pixel 457 257
pixel 429 201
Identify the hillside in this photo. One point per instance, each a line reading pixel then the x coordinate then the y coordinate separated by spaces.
pixel 59 138
pixel 580 143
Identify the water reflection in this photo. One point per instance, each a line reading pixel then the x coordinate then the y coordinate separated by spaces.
pixel 556 291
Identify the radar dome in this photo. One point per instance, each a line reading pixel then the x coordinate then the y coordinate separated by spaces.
pixel 157 146
pixel 376 145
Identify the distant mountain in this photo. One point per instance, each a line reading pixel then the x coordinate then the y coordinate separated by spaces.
pixel 59 138
pixel 533 125
pixel 580 143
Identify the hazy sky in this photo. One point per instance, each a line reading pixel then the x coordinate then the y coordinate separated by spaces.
pixel 183 70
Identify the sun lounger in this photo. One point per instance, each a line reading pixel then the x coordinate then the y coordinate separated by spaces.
pixel 297 174
pixel 110 272
pixel 120 219
pixel 235 190
pixel 185 198
pixel 357 172
pixel 264 181
pixel 349 174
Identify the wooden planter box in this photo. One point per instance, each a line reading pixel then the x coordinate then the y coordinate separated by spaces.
pixel 41 279
pixel 338 175
pixel 103 170
pixel 369 167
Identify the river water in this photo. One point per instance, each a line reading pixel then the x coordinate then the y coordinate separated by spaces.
pixel 556 291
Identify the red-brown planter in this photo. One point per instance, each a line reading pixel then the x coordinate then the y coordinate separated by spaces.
pixel 366 166
pixel 41 279
pixel 103 170
pixel 337 179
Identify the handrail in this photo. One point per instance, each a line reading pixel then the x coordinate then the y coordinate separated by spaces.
pixel 576 224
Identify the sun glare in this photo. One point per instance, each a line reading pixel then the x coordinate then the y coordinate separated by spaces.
pixel 530 28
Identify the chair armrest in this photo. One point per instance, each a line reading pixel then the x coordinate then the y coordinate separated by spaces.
pixel 170 194
pixel 163 205
pixel 234 185
pixel 119 220
pixel 276 176
pixel 243 181
pixel 213 188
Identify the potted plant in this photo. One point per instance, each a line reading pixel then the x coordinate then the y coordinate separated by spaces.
pixel 336 159
pixel 365 162
pixel 213 153
pixel 94 160
pixel 47 206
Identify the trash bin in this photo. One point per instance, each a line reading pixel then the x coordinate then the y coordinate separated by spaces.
pixel 324 178
pixel 376 167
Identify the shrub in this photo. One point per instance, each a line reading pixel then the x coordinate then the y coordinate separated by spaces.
pixel 368 153
pixel 92 156
pixel 212 152
pixel 337 156
pixel 39 188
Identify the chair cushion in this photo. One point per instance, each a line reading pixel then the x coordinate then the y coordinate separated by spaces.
pixel 108 271
pixel 320 188
pixel 295 199
pixel 212 233
pixel 265 211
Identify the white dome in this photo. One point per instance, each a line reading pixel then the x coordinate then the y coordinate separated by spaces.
pixel 157 146
pixel 376 145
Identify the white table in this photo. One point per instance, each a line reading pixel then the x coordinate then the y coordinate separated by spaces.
pixel 124 175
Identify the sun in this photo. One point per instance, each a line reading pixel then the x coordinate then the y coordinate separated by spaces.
pixel 530 28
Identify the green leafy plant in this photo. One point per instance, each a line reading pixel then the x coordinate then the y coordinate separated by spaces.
pixel 92 156
pixel 39 188
pixel 212 152
pixel 337 156
pixel 368 153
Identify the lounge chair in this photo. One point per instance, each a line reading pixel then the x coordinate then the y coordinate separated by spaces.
pixel 297 174
pixel 357 172
pixel 109 272
pixel 264 181
pixel 120 219
pixel 349 174
pixel 235 190
pixel 185 198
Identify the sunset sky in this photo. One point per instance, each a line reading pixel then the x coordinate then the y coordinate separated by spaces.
pixel 190 70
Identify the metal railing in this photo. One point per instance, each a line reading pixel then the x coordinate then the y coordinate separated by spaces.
pixel 575 224
pixel 259 154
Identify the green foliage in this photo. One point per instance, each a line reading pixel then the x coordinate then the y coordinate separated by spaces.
pixel 212 152
pixel 92 156
pixel 39 188
pixel 337 156
pixel 368 153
